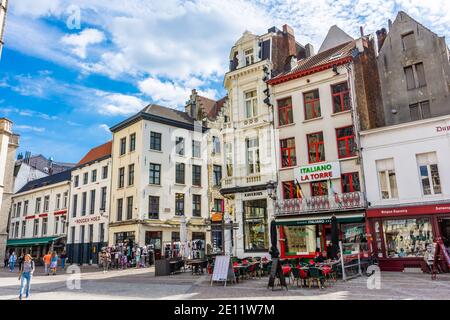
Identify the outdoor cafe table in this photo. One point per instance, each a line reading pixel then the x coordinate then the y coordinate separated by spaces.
pixel 196 265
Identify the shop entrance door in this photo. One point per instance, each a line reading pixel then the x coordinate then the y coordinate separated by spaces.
pixel 444 225
pixel 326 236
pixel 154 238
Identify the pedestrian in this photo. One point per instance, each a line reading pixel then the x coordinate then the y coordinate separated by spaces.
pixel 144 256
pixel 47 259
pixel 20 260
pixel 25 273
pixel 54 263
pixel 6 261
pixel 63 258
pixel 12 261
pixel 137 255
pixel 106 260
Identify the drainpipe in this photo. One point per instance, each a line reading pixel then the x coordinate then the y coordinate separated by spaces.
pixel 356 125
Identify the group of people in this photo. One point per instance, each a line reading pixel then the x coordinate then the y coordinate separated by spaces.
pixel 51 262
pixel 122 256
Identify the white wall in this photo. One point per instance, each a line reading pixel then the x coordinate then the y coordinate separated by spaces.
pixel 98 217
pixel 26 173
pixel 402 143
pixel 31 196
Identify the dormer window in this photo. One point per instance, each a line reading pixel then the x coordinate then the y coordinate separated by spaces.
pixel 249 57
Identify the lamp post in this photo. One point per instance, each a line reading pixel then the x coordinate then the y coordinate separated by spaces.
pixel 272 193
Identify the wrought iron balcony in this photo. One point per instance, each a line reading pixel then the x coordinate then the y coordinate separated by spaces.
pixel 337 202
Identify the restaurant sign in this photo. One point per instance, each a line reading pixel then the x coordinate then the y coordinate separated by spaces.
pixel 321 171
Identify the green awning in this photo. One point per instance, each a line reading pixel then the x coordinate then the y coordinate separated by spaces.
pixel 30 241
pixel 318 221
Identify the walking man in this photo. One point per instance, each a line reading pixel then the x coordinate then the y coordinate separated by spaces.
pixel 25 274
pixel 47 259
pixel 63 258
pixel 12 261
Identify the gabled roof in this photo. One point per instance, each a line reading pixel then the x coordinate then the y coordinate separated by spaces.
pixel 46 181
pixel 160 114
pixel 99 152
pixel 39 162
pixel 335 37
pixel 321 61
pixel 211 107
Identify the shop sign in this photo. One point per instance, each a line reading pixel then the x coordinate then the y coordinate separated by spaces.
pixel 252 194
pixel 87 220
pixel 60 212
pixel 216 216
pixel 29 217
pixel 405 211
pixel 443 129
pixel 321 171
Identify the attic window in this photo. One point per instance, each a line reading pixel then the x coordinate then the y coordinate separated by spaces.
pixel 336 56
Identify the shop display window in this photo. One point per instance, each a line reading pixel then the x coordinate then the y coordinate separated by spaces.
pixel 255 225
pixel 299 239
pixel 408 237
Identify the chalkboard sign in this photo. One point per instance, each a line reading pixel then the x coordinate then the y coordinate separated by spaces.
pixel 276 273
pixel 223 270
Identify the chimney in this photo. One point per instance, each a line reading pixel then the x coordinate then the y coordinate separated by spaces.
pixel 309 50
pixel 381 36
pixel 289 36
pixel 390 24
pixel 361 30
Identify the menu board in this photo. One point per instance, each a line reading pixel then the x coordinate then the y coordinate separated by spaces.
pixel 223 270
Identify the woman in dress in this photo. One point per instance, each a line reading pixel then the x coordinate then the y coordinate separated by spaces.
pixel 54 263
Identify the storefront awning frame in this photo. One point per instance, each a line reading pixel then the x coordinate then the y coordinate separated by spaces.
pixel 31 241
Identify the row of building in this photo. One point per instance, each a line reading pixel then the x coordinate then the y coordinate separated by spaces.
pixel 359 130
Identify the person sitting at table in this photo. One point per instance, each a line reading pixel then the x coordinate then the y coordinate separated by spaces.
pixel 321 257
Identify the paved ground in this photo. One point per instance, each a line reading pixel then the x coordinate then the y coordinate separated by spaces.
pixel 142 284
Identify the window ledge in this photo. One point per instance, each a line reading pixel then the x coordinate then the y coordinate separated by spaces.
pixel 286 125
pixel 313 119
pixel 180 184
pixel 155 185
pixel 154 150
pixel 288 168
pixel 348 158
pixel 341 112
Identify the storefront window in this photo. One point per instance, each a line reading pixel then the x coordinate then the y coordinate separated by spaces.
pixel 407 238
pixel 299 239
pixel 255 225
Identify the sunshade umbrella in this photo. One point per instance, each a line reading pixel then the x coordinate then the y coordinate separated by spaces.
pixel 228 235
pixel 334 236
pixel 273 240
pixel 183 238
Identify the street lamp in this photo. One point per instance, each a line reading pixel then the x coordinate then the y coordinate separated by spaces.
pixel 272 189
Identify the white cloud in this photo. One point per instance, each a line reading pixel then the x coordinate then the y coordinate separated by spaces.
pixel 119 104
pixel 80 42
pixel 171 94
pixel 105 128
pixel 29 128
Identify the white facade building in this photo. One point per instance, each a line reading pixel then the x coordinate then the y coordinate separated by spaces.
pixel 248 136
pixel 317 150
pixel 407 176
pixel 38 220
pixel 9 142
pixel 89 207
pixel 3 8
pixel 165 150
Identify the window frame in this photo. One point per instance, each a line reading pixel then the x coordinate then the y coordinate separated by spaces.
pixel 285 112
pixel 123 146
pixel 155 141
pixel 132 146
pixel 313 101
pixel 196 175
pixel 316 144
pixel 311 184
pixel 291 153
pixel 341 95
pixel 251 102
pixel 180 168
pixel 152 214
pixel 196 205
pixel 349 152
pixel 351 182
pixel 180 204
pixel 155 165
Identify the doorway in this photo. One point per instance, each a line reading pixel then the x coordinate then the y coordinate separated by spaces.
pixel 154 239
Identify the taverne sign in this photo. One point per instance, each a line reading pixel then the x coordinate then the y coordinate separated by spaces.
pixel 320 171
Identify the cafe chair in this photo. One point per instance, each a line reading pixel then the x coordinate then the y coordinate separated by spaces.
pixel 316 275
pixel 296 275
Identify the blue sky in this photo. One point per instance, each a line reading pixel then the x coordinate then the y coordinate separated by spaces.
pixel 65 84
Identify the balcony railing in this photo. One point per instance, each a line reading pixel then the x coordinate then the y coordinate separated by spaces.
pixel 337 202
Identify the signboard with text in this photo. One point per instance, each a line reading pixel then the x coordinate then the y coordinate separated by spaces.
pixel 317 172
pixel 412 210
